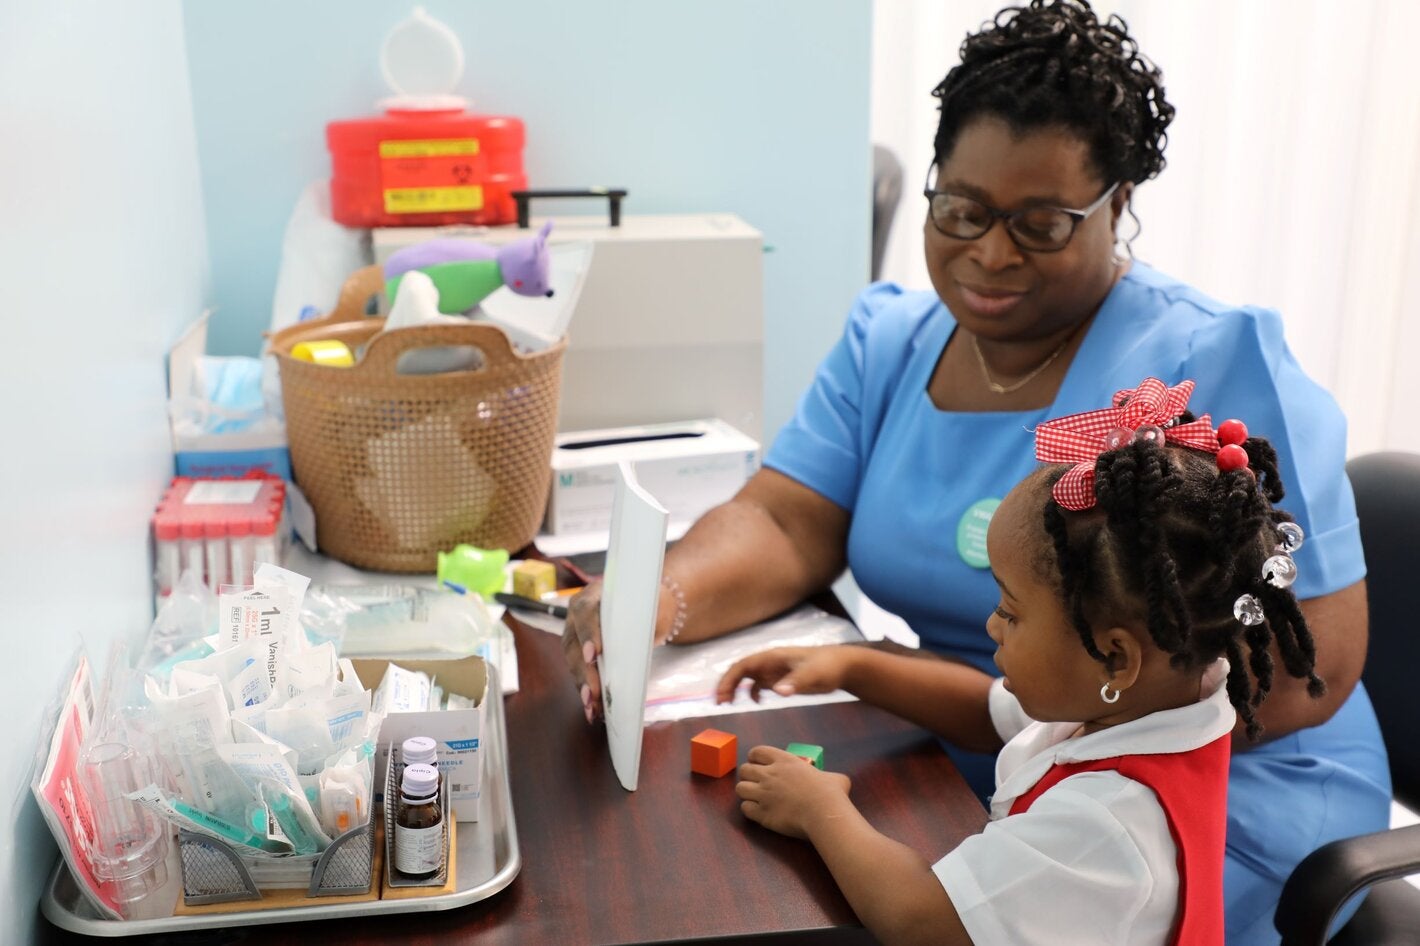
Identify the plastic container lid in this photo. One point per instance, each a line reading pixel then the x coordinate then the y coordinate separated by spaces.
pixel 422 62
pixel 420 782
pixel 192 529
pixel 419 750
pixel 239 527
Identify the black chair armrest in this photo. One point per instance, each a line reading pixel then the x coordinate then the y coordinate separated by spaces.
pixel 1331 874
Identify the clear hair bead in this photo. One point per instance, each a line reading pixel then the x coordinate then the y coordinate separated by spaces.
pixel 1289 537
pixel 1280 571
pixel 1151 433
pixel 1248 610
pixel 1118 437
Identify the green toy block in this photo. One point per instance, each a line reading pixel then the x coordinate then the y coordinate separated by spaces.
pixel 809 753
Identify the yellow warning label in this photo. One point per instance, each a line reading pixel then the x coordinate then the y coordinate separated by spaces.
pixel 430 148
pixel 419 200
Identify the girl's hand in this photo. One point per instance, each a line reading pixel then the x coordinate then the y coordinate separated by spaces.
pixel 582 645
pixel 787 794
pixel 787 670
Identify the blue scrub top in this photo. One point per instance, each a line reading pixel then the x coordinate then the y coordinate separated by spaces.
pixel 868 437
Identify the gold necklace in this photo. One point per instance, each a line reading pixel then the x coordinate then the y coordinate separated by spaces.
pixel 1011 388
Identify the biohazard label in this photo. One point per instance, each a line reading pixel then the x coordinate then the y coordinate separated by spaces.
pixel 431 176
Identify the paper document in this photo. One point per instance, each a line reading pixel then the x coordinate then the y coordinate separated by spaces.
pixel 630 593
pixel 533 322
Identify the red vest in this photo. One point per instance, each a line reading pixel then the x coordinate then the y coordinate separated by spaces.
pixel 1192 788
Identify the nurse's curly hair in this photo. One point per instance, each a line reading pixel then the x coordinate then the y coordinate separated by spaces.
pixel 1054 63
pixel 1171 543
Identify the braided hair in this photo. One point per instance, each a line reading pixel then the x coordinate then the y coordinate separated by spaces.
pixel 1053 63
pixel 1171 544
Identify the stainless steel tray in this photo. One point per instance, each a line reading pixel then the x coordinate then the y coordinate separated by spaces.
pixel 488 860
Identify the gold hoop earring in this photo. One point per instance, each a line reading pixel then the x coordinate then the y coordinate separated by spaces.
pixel 1105 694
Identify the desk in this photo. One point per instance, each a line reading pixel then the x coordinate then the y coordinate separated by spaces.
pixel 675 860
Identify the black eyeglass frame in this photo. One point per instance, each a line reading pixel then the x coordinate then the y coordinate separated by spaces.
pixel 1008 217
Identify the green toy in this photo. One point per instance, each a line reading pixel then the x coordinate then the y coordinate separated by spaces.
pixel 809 753
pixel 467 271
pixel 476 569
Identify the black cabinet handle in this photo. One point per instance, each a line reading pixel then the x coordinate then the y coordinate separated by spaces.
pixel 613 196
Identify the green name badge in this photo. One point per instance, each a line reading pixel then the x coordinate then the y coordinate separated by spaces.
pixel 971 532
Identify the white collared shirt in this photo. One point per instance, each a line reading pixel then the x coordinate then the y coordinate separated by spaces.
pixel 1092 861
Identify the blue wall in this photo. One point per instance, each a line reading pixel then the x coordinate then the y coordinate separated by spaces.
pixel 756 108
pixel 103 262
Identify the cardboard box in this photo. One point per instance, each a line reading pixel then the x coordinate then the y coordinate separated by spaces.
pixel 217 455
pixel 459 733
pixel 688 467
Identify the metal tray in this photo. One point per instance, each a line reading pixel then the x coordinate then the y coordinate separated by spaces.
pixel 488 860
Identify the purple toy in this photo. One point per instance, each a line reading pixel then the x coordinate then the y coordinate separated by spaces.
pixel 466 271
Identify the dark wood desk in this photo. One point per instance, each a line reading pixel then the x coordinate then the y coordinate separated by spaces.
pixel 675 860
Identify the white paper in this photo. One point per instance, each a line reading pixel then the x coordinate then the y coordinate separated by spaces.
pixel 630 593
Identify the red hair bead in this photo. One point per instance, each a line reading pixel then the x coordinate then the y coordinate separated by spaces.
pixel 1232 457
pixel 1232 432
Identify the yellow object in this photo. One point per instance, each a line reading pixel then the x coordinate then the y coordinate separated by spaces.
pixel 324 352
pixel 533 579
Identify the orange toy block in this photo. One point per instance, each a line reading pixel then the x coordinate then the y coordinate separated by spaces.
pixel 714 753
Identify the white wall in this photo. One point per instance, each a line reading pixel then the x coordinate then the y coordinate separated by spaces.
pixel 102 260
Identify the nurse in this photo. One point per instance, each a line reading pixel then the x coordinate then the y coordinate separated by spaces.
pixel 919 420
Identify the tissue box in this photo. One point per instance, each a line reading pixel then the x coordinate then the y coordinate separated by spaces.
pixel 216 456
pixel 459 733
pixel 688 467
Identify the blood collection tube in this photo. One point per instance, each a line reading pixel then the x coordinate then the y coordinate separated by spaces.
pixel 215 532
pixel 167 542
pixel 239 547
pixel 192 552
pixel 263 528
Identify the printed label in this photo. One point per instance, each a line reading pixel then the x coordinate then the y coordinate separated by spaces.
pixel 418 850
pixel 429 148
pixel 430 176
pixel 971 532
pixel 239 492
pixel 413 200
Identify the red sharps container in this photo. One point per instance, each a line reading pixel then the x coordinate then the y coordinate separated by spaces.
pixel 427 161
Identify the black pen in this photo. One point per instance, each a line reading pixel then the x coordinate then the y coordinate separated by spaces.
pixel 530 604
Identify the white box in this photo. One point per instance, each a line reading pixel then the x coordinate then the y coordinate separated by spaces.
pixel 669 323
pixel 689 467
pixel 459 733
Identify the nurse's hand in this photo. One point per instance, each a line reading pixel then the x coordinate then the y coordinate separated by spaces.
pixel 788 670
pixel 788 794
pixel 582 645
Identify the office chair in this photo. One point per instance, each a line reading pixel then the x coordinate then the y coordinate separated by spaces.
pixel 887 190
pixel 1387 487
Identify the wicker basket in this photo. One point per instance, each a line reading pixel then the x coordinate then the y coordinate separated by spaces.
pixel 400 466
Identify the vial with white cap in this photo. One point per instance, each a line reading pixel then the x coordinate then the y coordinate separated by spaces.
pixel 419 828
pixel 420 750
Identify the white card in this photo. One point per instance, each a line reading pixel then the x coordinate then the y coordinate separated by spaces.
pixel 630 593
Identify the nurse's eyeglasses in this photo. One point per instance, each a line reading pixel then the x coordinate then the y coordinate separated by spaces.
pixel 1034 229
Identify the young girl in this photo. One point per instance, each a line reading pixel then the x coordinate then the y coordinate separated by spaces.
pixel 1137 584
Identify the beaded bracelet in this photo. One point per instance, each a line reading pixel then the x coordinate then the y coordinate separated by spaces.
pixel 678 621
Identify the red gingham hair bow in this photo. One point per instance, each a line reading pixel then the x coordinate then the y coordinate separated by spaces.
pixel 1142 412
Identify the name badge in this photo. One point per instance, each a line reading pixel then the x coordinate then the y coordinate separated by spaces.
pixel 971 532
